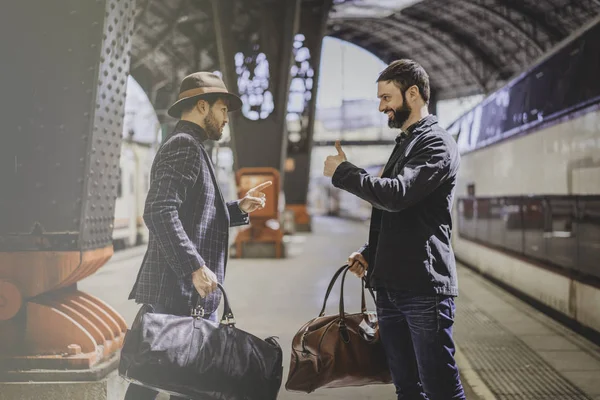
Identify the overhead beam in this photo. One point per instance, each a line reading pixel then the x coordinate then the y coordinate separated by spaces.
pixel 163 37
pixel 503 21
pixel 459 35
pixel 385 38
pixel 439 43
pixel 553 31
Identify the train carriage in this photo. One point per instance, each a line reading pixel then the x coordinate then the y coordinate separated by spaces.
pixel 528 195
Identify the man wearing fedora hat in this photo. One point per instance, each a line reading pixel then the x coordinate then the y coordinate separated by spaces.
pixel 186 215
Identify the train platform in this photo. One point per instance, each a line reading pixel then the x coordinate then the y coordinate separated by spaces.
pixel 505 348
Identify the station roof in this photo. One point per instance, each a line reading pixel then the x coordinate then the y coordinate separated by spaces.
pixel 467 46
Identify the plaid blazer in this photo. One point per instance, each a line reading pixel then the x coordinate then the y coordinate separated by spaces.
pixel 188 222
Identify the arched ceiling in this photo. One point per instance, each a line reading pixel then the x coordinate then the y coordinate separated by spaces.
pixel 467 46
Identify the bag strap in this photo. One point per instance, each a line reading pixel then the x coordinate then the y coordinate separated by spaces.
pixel 330 287
pixel 362 296
pixel 227 318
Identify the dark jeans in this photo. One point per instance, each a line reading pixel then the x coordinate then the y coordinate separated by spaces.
pixel 136 392
pixel 416 332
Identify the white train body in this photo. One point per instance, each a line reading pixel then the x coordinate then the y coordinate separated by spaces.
pixel 527 212
pixel 141 137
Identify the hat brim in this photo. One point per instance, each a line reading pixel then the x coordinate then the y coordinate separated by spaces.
pixel 234 103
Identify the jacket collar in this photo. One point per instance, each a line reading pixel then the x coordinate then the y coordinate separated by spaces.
pixel 418 127
pixel 194 129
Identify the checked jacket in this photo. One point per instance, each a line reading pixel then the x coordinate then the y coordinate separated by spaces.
pixel 188 221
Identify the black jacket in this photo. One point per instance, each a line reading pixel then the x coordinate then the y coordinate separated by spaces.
pixel 409 246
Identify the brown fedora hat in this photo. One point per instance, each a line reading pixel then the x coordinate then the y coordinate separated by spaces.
pixel 200 84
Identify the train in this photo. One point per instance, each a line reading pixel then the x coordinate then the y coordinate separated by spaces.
pixel 527 204
pixel 141 138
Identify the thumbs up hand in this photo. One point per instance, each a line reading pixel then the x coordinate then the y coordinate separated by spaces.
pixel 332 162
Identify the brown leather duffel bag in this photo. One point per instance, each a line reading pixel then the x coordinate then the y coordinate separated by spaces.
pixel 338 350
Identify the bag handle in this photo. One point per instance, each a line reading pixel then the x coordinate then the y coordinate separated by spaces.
pixel 337 274
pixel 330 287
pixel 362 296
pixel 227 318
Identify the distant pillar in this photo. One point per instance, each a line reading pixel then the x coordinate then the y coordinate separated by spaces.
pixel 64 88
pixel 433 102
pixel 302 108
pixel 255 41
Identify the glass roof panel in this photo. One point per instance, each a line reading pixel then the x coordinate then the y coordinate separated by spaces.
pixel 344 9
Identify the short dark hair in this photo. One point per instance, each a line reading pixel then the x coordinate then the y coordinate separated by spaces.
pixel 406 73
pixel 210 98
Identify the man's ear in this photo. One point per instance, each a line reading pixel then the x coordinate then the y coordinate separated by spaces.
pixel 413 92
pixel 202 106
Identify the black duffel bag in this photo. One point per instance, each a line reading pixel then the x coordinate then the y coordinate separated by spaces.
pixel 196 358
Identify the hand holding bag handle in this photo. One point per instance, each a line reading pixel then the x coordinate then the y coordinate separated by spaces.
pixel 192 357
pixel 363 308
pixel 226 319
pixel 338 350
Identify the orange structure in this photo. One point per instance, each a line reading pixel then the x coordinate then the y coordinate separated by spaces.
pixel 301 216
pixel 259 232
pixel 45 322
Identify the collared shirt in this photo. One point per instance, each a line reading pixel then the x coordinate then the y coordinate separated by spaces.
pixel 193 128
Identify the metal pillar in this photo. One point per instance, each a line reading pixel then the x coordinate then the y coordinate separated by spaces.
pixel 64 91
pixel 433 101
pixel 254 41
pixel 302 108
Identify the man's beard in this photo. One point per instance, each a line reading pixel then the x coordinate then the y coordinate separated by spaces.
pixel 400 115
pixel 212 127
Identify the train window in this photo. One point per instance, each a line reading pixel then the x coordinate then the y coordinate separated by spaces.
pixel 466 218
pixel 471 189
pixel 534 244
pixel 589 69
pixel 496 225
pixel 559 84
pixel 588 235
pixel 482 210
pixel 513 224
pixel 559 230
pixel 120 184
pixel 561 242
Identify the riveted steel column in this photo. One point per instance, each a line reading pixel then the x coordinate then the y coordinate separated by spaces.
pixel 63 86
pixel 65 78
pixel 313 23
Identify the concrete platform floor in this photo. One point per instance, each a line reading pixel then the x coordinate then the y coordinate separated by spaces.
pixel 276 297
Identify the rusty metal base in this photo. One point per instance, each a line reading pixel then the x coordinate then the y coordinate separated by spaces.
pixel 67 329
